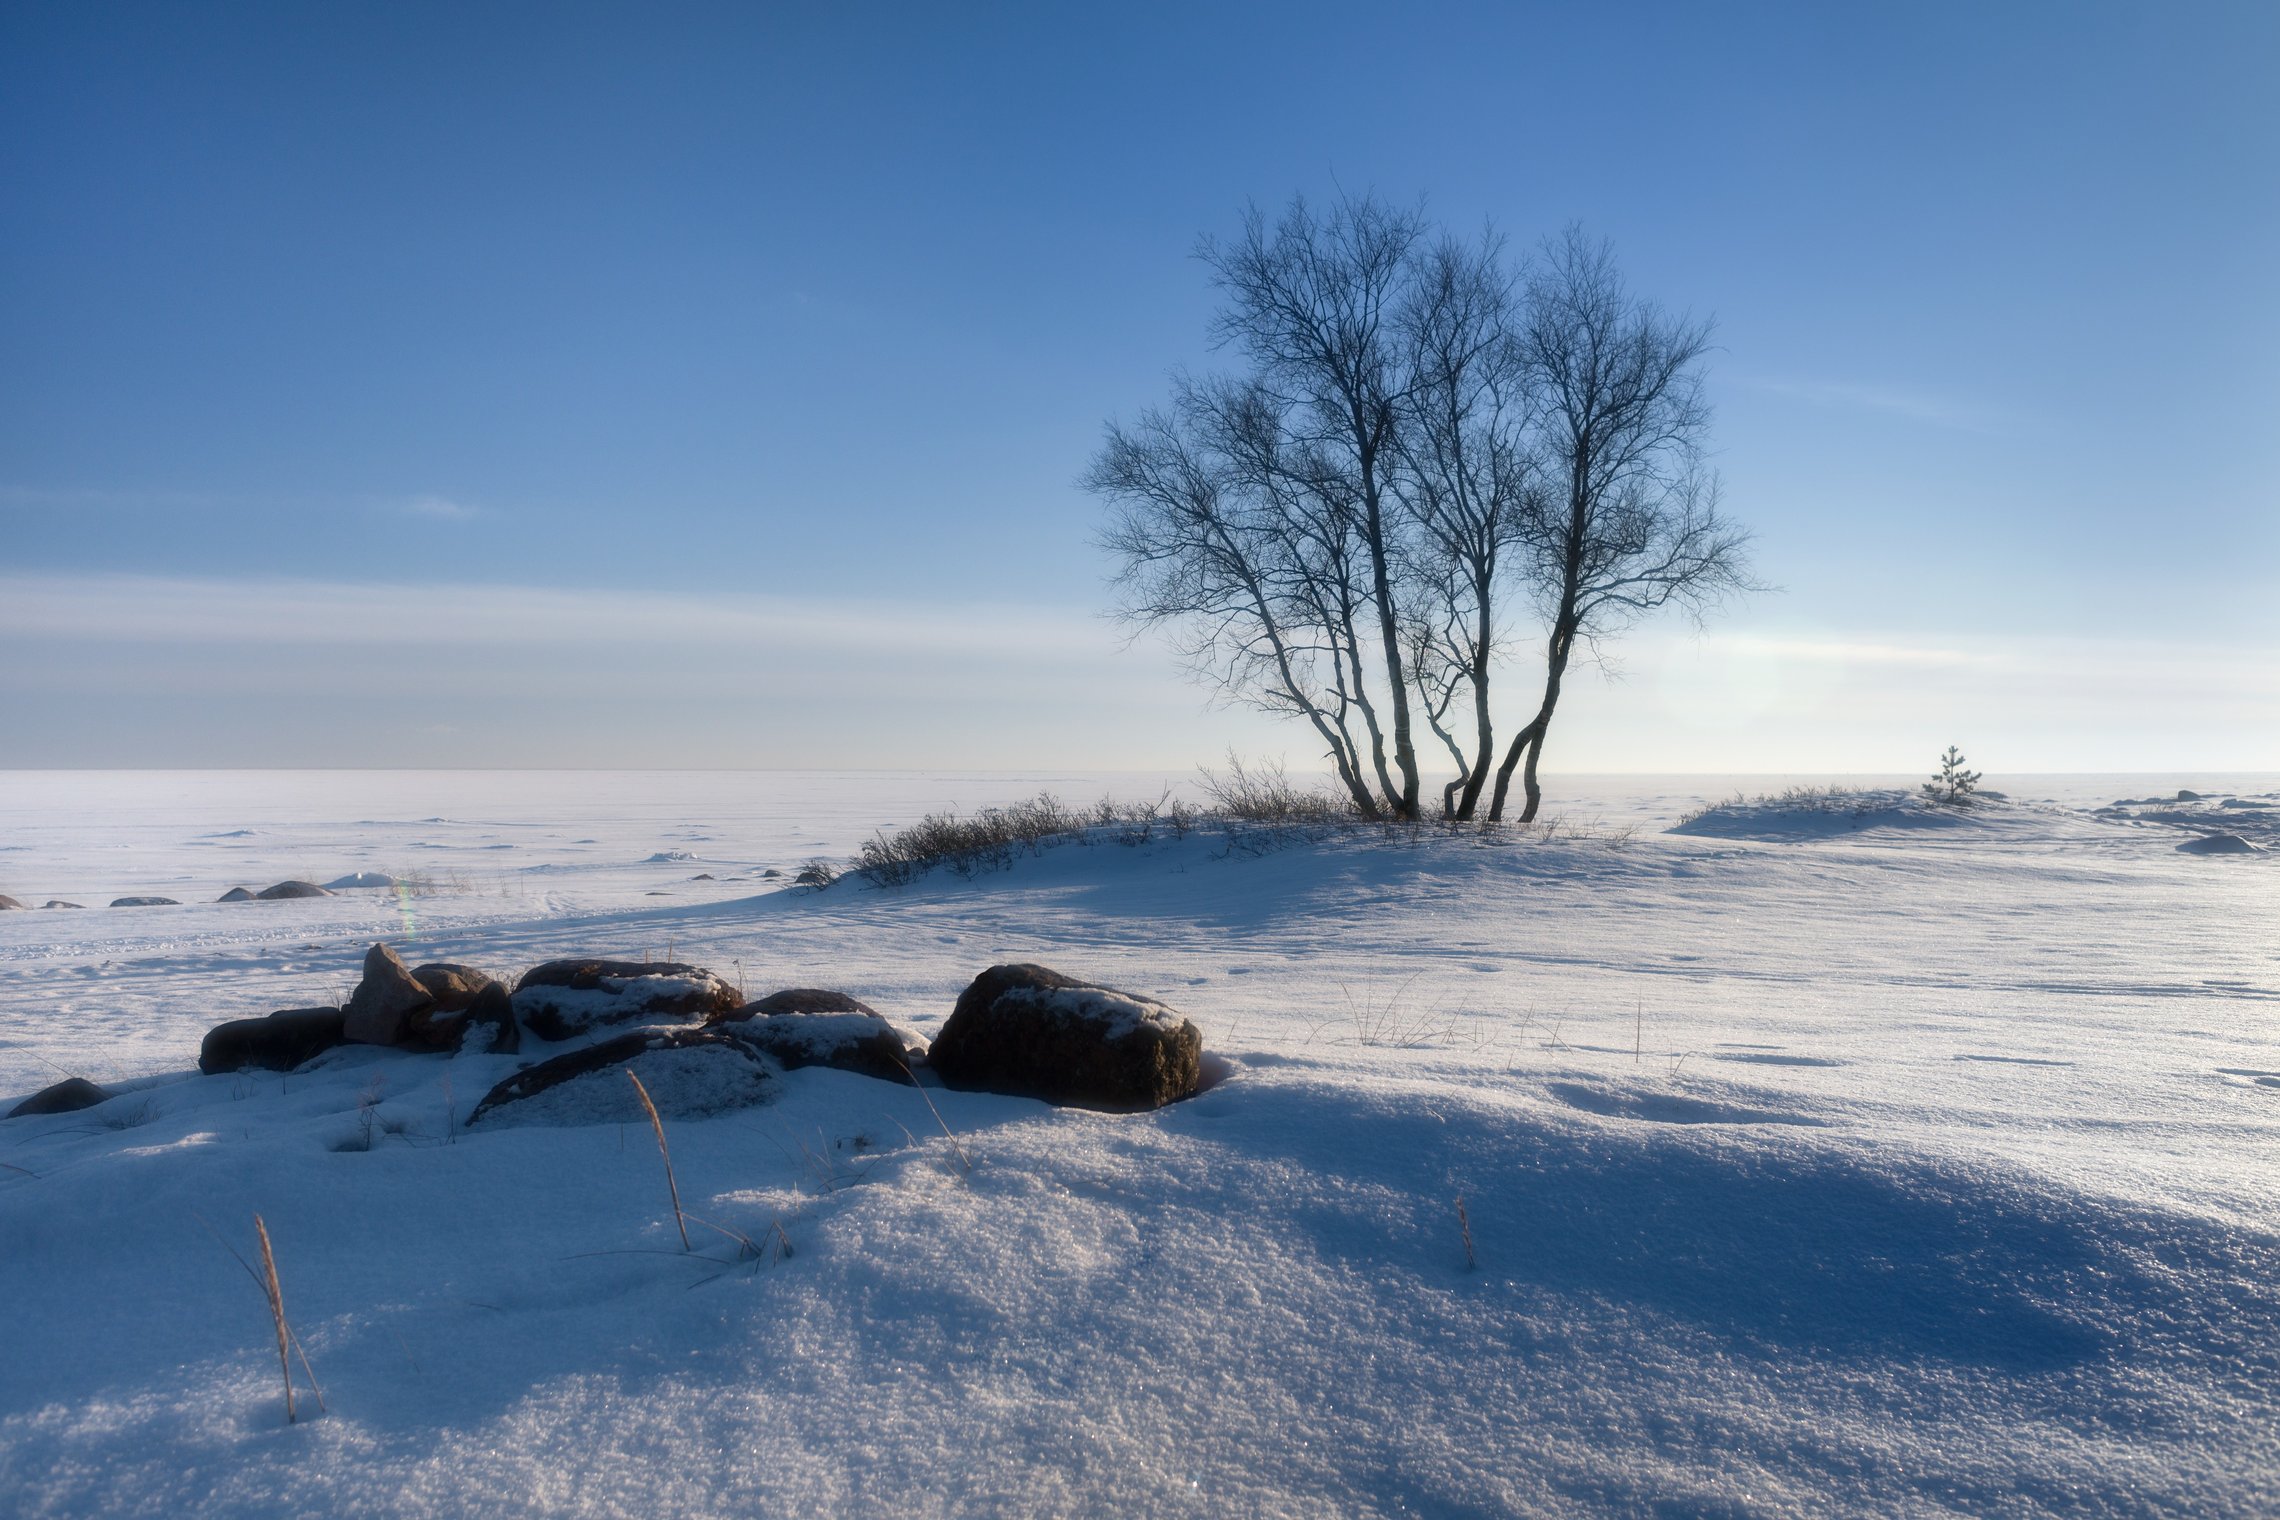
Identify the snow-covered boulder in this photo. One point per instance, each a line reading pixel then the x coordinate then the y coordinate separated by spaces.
pixel 65 1097
pixel 2218 844
pixel 356 879
pixel 279 1042
pixel 808 1026
pixel 236 894
pixel 144 902
pixel 689 1074
pixel 379 1012
pixel 801 1000
pixel 560 999
pixel 290 889
pixel 7 902
pixel 57 902
pixel 1032 1031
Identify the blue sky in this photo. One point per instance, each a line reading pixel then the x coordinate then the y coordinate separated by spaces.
pixel 485 384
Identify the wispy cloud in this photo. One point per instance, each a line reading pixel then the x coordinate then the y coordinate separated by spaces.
pixel 438 508
pixel 138 609
pixel 1889 401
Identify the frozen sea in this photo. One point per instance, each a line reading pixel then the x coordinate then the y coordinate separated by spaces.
pixel 1814 1159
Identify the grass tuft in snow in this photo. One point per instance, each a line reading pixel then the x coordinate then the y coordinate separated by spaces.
pixel 672 1184
pixel 273 1292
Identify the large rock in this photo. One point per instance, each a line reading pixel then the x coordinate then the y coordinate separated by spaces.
pixel 453 986
pixel 801 1000
pixel 564 998
pixel 236 894
pixel 144 902
pixel 1034 1032
pixel 65 1097
pixel 491 1026
pixel 57 902
pixel 278 1043
pixel 379 1011
pixel 485 1025
pixel 689 1073
pixel 808 1026
pixel 285 889
pixel 7 902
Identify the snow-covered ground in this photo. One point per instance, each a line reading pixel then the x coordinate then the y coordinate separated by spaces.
pixel 1817 1158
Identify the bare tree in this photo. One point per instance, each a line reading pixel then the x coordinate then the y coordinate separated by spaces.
pixel 1314 303
pixel 1257 594
pixel 1468 476
pixel 1419 443
pixel 1632 523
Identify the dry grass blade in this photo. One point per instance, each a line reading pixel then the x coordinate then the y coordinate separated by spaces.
pixel 287 1341
pixel 672 1187
pixel 1464 1223
pixel 965 1163
pixel 275 1296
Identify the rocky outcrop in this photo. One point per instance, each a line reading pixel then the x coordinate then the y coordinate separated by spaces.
pixel 7 902
pixel 808 1026
pixel 65 1097
pixel 57 902
pixel 1032 1031
pixel 290 889
pixel 689 1074
pixel 379 1011
pixel 279 1042
pixel 565 998
pixel 236 894
pixel 144 902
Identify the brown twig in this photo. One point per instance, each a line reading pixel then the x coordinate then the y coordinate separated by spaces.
pixel 1464 1223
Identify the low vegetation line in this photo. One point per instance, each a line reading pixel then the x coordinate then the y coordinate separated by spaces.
pixel 1255 807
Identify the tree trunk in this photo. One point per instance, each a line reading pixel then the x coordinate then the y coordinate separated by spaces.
pixel 1478 774
pixel 1530 740
pixel 1389 633
pixel 1528 785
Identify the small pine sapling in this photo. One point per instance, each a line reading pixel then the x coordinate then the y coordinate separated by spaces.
pixel 1955 784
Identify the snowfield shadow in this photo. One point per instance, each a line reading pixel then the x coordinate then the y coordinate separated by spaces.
pixel 1778 1244
pixel 1665 1108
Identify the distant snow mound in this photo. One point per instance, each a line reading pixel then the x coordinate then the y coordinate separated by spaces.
pixel 1818 812
pixel 667 857
pixel 356 879
pixel 2220 825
